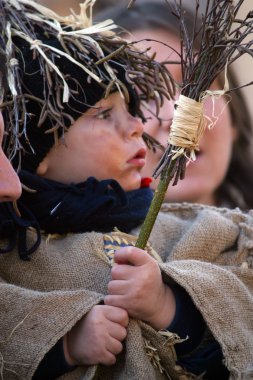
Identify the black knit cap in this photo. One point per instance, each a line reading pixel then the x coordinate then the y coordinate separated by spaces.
pixel 85 92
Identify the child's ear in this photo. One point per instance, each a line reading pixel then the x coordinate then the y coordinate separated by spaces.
pixel 42 168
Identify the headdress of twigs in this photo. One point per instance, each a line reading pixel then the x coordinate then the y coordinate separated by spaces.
pixel 221 38
pixel 80 42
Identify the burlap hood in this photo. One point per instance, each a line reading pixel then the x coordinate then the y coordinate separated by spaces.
pixel 208 251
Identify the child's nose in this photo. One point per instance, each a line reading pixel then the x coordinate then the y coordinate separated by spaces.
pixel 136 127
pixel 10 187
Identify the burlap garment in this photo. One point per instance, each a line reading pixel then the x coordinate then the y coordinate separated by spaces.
pixel 206 250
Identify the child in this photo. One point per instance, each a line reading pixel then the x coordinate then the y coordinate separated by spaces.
pixel 61 314
pixel 105 120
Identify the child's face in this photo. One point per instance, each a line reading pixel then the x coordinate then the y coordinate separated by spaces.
pixel 10 187
pixel 105 142
pixel 204 175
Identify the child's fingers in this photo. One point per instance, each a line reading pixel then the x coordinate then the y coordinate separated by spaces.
pixel 115 301
pixel 116 314
pixel 118 287
pixel 114 346
pixel 131 256
pixel 121 272
pixel 117 331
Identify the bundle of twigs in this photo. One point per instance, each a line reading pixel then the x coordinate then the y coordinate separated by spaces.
pixel 221 39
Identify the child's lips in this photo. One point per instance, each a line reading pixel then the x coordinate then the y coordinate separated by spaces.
pixel 139 159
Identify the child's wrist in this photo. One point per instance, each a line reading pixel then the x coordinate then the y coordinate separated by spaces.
pixel 69 360
pixel 166 312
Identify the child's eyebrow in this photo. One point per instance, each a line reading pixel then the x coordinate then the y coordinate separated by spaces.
pixel 95 110
pixel 104 109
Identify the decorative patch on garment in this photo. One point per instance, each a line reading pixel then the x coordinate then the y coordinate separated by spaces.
pixel 112 243
pixel 118 239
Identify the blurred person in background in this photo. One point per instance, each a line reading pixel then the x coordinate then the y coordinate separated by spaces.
pixel 63 8
pixel 221 174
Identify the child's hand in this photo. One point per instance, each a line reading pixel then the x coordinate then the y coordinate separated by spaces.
pixel 97 337
pixel 137 286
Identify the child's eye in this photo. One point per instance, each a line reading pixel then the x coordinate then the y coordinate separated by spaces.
pixel 104 114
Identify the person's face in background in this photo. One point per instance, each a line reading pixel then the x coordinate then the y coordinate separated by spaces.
pixel 10 187
pixel 204 175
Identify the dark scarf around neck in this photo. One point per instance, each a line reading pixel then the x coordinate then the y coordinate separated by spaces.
pixel 88 206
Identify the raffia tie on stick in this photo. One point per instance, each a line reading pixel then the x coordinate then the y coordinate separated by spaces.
pixel 187 127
